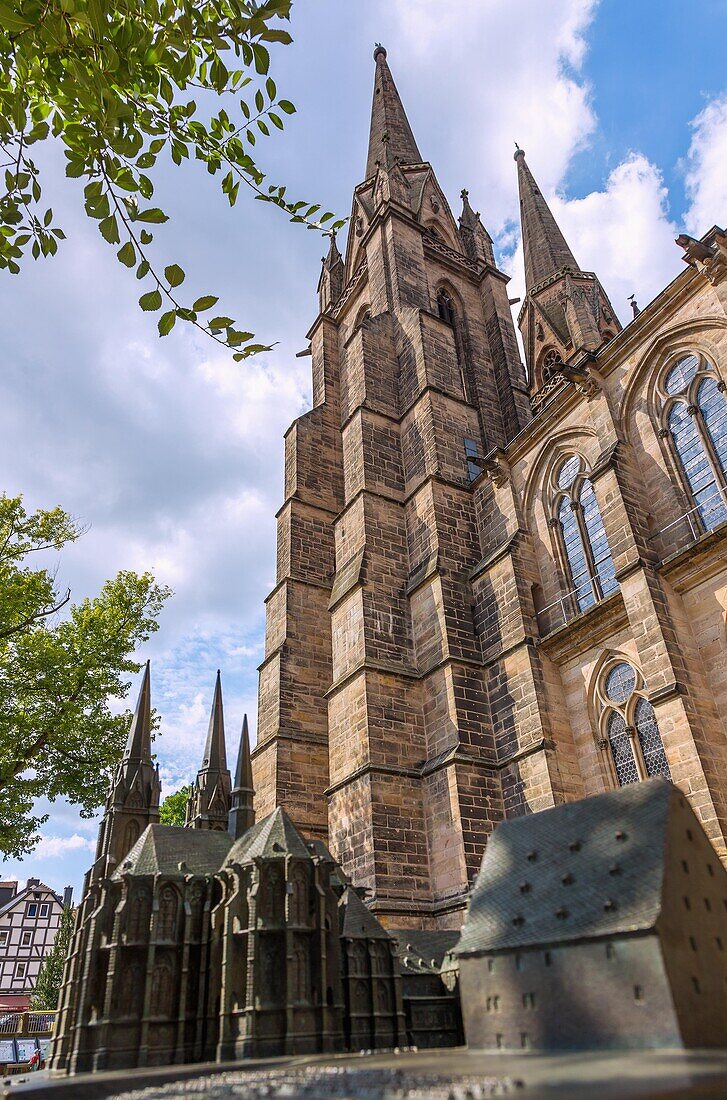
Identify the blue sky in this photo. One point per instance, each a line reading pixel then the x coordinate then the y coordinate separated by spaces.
pixel 170 453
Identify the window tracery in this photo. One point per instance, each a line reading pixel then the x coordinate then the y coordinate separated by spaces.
pixel 694 421
pixel 630 732
pixel 583 539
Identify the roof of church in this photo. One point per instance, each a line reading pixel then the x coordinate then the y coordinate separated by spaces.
pixel 583 869
pixel 162 848
pixel 358 921
pixel 546 249
pixel 274 836
pixel 428 945
pixel 390 135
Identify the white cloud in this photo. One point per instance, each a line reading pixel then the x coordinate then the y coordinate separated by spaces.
pixel 706 169
pixel 523 83
pixel 51 847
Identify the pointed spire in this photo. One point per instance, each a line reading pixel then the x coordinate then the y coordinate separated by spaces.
pixel 476 240
pixel 138 743
pixel 388 118
pixel 468 218
pixel 209 800
pixel 546 249
pixel 242 812
pixel 215 753
pixel 333 275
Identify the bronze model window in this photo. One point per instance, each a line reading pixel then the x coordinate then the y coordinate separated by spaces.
pixel 629 731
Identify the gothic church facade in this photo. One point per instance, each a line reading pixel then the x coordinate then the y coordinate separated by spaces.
pixel 498 589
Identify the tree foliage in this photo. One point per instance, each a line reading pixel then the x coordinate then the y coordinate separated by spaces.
pixel 173 809
pixel 113 81
pixel 48 985
pixel 59 665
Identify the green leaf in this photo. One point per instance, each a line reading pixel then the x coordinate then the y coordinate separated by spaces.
pixel 10 20
pixel 127 254
pixel 286 106
pixel 174 275
pixel 143 269
pixel 166 322
pixel 206 302
pixel 109 230
pixel 151 300
pixel 153 214
pixel 146 237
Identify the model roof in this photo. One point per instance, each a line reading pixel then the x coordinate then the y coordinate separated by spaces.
pixel 171 850
pixel 275 835
pixel 583 869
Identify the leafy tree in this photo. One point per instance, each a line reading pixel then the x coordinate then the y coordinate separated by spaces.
pixel 50 975
pixel 57 672
pixel 111 81
pixel 173 809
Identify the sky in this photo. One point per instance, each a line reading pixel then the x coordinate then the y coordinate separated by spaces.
pixel 170 454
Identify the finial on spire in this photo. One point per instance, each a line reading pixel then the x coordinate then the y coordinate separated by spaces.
pixel 634 305
pixel 379 51
pixel 518 152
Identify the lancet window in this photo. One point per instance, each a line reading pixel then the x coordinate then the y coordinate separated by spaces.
pixel 630 734
pixel 694 421
pixel 584 545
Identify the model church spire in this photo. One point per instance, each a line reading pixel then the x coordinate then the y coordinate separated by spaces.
pixel 133 799
pixel 242 813
pixel 209 802
pixel 566 313
pixel 389 123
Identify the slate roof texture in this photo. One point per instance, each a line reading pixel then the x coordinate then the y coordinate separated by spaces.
pixel 161 848
pixel 583 869
pixel 275 835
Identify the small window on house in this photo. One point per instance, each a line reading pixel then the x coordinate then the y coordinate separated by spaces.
pixel 44 909
pixel 4 933
pixel 629 725
pixel 20 969
pixel 473 468
pixel 26 939
pixel 32 910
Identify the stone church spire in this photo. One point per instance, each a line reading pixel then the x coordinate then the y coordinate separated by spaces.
pixel 242 813
pixel 566 313
pixel 133 799
pixel 209 803
pixel 333 274
pixel 389 123
pixel 546 249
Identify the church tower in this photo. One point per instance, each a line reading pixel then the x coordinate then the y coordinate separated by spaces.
pixel 374 730
pixel 566 314
pixel 208 804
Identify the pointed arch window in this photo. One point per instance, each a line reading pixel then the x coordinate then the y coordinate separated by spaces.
pixel 694 421
pixel 630 733
pixel 445 306
pixel 583 540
